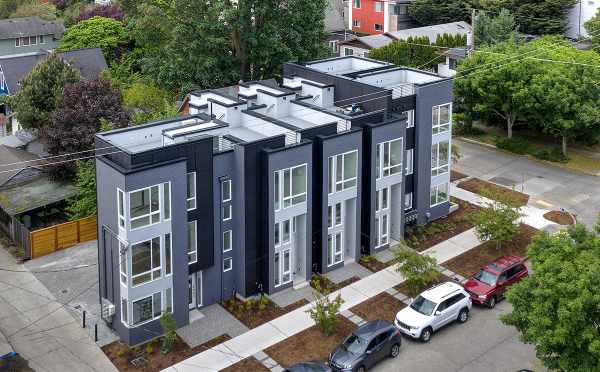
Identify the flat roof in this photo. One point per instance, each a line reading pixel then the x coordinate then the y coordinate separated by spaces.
pixel 346 65
pixel 34 194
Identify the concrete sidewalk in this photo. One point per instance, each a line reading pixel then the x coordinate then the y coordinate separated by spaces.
pixel 39 328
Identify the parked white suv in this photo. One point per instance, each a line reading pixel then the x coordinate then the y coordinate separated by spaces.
pixel 433 309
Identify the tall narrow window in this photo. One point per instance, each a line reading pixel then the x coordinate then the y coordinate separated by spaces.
pixel 226 212
pixel 123 262
pixel 276 189
pixel 276 270
pixel 192 238
pixel 227 241
pixel 227 264
pixel 410 118
pixel 226 191
pixel 121 208
pixel 169 300
pixel 167 200
pixel 191 191
pixel 338 214
pixel 378 6
pixel 409 162
pixel 168 262
pixel 124 317
pixel 357 4
pixel 408 202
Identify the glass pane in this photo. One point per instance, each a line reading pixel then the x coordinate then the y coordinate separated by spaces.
pixel 338 214
pixel 156 218
pixel 154 199
pixel 339 168
pixel 444 153
pixel 157 304
pixel 434 156
pixel 121 203
pixel 286 261
pixel 443 193
pixel 377 231
pixel 226 190
pixel 329 250
pixel 142 279
pixel 386 154
pixel 350 165
pixel 330 175
pixel 142 310
pixel 396 152
pixel 276 274
pixel 286 184
pixel 226 212
pixel 277 234
pixel 378 161
pixel 384 198
pixel 155 252
pixel 377 199
pixel 139 203
pixel 167 200
pixel 299 180
pixel 432 196
pixel 286 231
pixel 191 185
pixel 191 236
pixel 435 116
pixel 227 240
pixel 329 216
pixel 124 311
pixel 276 189
pixel 444 114
pixel 168 254
pixel 191 204
pixel 140 256
pixel 299 199
pixel 338 243
pixel 140 222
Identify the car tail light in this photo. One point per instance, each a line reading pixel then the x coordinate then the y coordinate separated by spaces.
pixel 397 332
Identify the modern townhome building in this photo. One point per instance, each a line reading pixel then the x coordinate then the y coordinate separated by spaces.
pixel 29 34
pixel 258 185
pixel 378 16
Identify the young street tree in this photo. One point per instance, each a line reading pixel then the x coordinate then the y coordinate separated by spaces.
pixel 325 310
pixel 556 307
pixel 41 91
pixel 419 270
pixel 498 220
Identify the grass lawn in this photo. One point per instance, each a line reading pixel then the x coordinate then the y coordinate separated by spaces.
pixel 471 261
pixel 310 344
pixel 478 186
pixel 246 365
pixel 382 306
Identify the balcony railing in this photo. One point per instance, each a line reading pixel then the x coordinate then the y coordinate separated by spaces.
pixel 403 90
pixel 343 126
pixel 292 138
pixel 221 144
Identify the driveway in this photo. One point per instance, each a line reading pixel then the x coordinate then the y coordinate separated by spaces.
pixel 481 344
pixel 550 187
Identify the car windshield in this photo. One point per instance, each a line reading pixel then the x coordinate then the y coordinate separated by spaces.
pixel 355 344
pixel 423 305
pixel 486 277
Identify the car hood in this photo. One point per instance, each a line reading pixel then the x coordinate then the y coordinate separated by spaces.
pixel 477 287
pixel 412 317
pixel 341 356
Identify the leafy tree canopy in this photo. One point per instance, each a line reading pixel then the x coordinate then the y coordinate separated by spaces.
pixel 433 12
pixel 557 307
pixel 84 204
pixel 490 30
pixel 593 28
pixel 498 220
pixel 537 17
pixel 96 32
pixel 148 102
pixel 107 11
pixel 41 92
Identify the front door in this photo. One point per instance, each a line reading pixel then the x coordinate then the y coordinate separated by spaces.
pixel 192 291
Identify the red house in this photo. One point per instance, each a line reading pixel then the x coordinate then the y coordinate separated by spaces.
pixel 378 16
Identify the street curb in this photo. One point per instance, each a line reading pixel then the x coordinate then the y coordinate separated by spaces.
pixel 476 142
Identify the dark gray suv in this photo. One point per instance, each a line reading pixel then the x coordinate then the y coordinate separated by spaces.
pixel 365 347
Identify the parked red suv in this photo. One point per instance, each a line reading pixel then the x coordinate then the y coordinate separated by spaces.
pixel 489 284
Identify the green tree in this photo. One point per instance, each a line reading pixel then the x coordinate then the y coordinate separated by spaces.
pixel 498 220
pixel 148 102
pixel 556 308
pixel 433 12
pixel 593 28
pixel 41 91
pixel 490 30
pixel 169 326
pixel 418 270
pixel 97 32
pixel 84 204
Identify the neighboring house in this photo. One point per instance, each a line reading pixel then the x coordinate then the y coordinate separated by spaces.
pixel 376 17
pixel 335 24
pixel 13 69
pixel 453 56
pixel 361 46
pixel 27 35
pixel 580 13
pixel 259 185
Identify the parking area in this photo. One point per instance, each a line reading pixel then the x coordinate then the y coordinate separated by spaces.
pixel 481 344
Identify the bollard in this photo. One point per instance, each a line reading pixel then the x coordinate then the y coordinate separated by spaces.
pixel 83 318
pixel 96 332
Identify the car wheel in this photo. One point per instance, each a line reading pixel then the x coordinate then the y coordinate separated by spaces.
pixel 361 369
pixel 395 350
pixel 463 316
pixel 426 334
pixel 492 302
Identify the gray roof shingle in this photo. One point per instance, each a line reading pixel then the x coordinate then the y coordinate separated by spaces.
pixel 29 26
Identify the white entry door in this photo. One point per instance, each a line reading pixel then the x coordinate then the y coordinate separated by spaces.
pixel 192 291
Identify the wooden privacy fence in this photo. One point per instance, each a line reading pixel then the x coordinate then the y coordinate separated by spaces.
pixel 65 235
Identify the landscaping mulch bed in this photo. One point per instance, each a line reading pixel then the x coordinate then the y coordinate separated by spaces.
pixel 421 238
pixel 382 306
pixel 403 288
pixel 480 186
pixel 325 285
pixel 455 176
pixel 121 355
pixel 310 344
pixel 253 314
pixel 247 365
pixel 471 261
pixel 373 264
pixel 559 217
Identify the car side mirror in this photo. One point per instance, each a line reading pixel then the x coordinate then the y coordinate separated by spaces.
pixel 437 313
pixel 369 351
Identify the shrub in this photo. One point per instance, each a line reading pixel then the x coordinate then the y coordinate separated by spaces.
pixel 149 348
pixel 366 259
pixel 263 302
pixel 554 155
pixel 324 312
pixel 169 327
pixel 517 145
pixel 419 270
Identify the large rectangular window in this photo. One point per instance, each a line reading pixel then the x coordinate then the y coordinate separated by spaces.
pixel 440 158
pixel 441 118
pixel 147 309
pixel 389 158
pixel 121 208
pixel 145 261
pixel 343 169
pixel 191 191
pixel 192 238
pixel 144 207
pixel 290 186
pixel 439 194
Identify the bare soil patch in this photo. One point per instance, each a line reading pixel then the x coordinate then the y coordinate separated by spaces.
pixel 480 186
pixel 325 285
pixel 382 306
pixel 255 312
pixel 455 176
pixel 373 264
pixel 247 365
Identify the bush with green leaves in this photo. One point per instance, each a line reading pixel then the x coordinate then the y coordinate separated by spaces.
pixel 419 270
pixel 169 326
pixel 324 311
pixel 555 155
pixel 498 220
pixel 516 144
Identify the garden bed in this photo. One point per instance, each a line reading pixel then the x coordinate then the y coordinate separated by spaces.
pixel 247 365
pixel 403 288
pixel 121 354
pixel 559 217
pixel 421 238
pixel 325 285
pixel 455 176
pixel 471 261
pixel 478 186
pixel 373 264
pixel 382 306
pixel 310 344
pixel 253 313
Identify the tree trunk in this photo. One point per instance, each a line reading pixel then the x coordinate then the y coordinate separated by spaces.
pixel 509 124
pixel 498 245
pixel 564 146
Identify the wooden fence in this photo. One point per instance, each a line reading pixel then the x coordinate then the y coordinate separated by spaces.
pixel 65 235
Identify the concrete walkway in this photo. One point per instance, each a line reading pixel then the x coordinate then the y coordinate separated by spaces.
pixel 39 328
